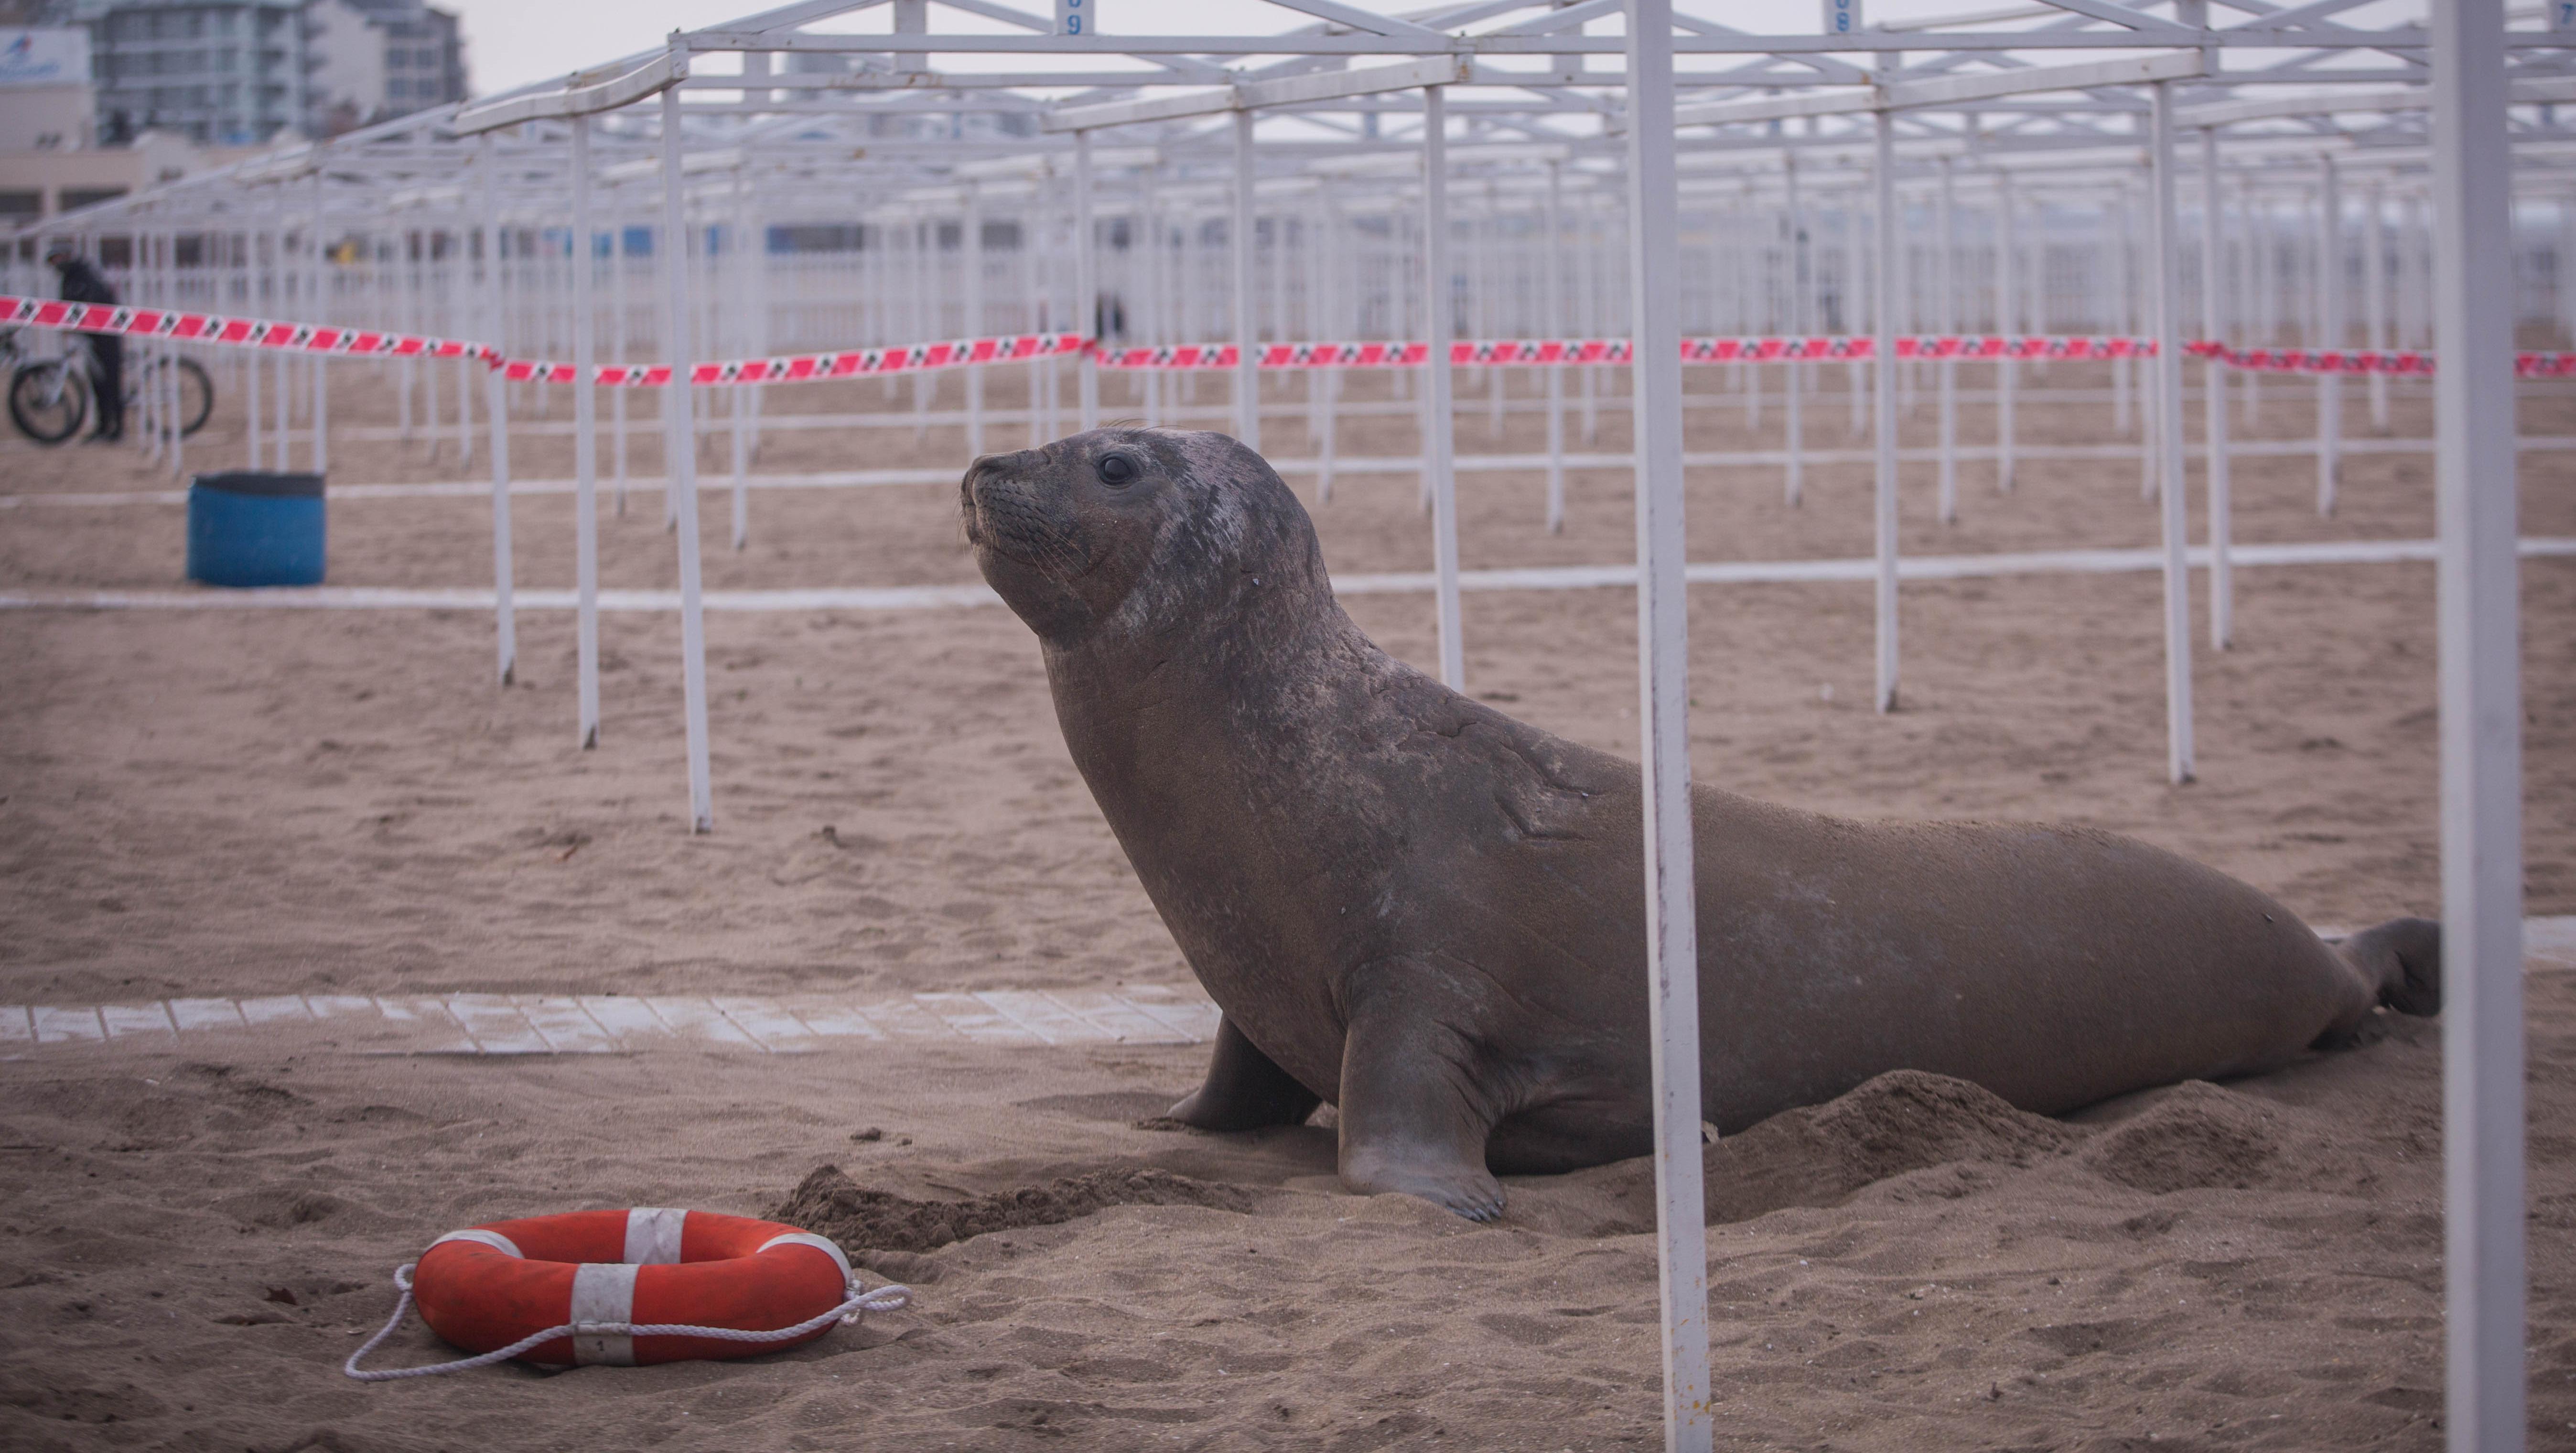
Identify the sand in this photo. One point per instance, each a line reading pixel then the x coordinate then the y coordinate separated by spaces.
pixel 245 803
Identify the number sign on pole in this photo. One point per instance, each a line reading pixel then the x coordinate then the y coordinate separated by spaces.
pixel 1842 17
pixel 1073 17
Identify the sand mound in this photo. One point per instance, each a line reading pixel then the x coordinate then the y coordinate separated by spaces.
pixel 2199 1136
pixel 1901 1121
pixel 862 1220
pixel 1822 1155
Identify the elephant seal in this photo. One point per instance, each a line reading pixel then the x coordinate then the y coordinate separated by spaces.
pixel 1431 915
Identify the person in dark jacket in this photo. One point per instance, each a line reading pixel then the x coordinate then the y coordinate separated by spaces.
pixel 82 284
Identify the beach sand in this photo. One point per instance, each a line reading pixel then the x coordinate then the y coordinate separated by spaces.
pixel 235 803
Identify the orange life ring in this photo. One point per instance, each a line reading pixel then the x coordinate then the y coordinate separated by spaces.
pixel 488 1287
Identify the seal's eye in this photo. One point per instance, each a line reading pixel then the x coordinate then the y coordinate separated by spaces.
pixel 1118 470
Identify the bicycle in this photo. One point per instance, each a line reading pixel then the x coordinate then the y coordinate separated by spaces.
pixel 196 391
pixel 48 397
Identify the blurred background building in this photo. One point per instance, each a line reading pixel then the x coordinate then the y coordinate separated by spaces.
pixel 102 97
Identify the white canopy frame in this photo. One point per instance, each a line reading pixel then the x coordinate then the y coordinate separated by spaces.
pixel 1357 110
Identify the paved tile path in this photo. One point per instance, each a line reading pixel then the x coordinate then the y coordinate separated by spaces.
pixel 607 1024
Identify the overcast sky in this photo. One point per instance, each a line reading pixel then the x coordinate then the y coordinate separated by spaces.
pixel 513 42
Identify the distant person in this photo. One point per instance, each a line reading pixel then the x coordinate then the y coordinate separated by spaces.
pixel 82 284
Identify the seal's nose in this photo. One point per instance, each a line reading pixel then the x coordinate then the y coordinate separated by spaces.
pixel 993 469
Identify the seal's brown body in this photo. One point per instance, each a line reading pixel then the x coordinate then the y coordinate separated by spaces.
pixel 1433 915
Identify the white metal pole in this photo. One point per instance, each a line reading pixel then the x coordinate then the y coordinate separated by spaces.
pixel 1086 317
pixel 585 445
pixel 2419 271
pixel 1338 277
pixel 1945 284
pixel 2254 292
pixel 1247 325
pixel 617 344
pixel 2166 245
pixel 2374 272
pixel 1793 485
pixel 1589 286
pixel 680 449
pixel 1037 314
pixel 743 238
pixel 971 255
pixel 408 287
pixel 1855 274
pixel 460 279
pixel 282 377
pixel 1552 300
pixel 1438 445
pixel 2213 325
pixel 1663 690
pixel 321 451
pixel 2115 246
pixel 2008 323
pixel 1159 277
pixel 1883 386
pixel 2562 267
pixel 251 304
pixel 2481 732
pixel 2330 333
pixel 497 405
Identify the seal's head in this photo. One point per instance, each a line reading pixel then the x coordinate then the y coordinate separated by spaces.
pixel 1134 531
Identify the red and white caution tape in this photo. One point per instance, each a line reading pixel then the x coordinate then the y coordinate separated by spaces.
pixel 2399 362
pixel 217 329
pixel 1608 352
pixel 1272 355
pixel 214 328
pixel 815 367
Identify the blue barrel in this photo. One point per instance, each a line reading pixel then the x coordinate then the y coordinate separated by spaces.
pixel 251 527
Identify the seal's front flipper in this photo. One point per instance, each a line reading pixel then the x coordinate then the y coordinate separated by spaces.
pixel 1244 1089
pixel 1412 1120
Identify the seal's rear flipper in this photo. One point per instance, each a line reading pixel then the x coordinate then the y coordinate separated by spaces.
pixel 2403 957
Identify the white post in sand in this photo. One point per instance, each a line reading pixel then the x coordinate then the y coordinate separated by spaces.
pixel 970 251
pixel 2213 326
pixel 1552 301
pixel 321 313
pixel 1086 318
pixel 2008 323
pixel 733 273
pixel 1663 716
pixel 585 445
pixel 250 370
pixel 1945 288
pixel 2374 292
pixel 2329 333
pixel 2481 729
pixel 617 346
pixel 1883 386
pixel 497 404
pixel 1794 486
pixel 2165 242
pixel 1337 278
pixel 680 450
pixel 1247 326
pixel 1438 446
pixel 460 278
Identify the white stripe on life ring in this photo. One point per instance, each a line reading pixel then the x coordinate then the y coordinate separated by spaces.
pixel 493 1239
pixel 653 1236
pixel 808 1238
pixel 602 1292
